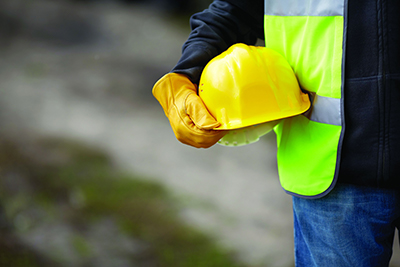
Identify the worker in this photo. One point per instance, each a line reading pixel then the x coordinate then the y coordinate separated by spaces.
pixel 340 161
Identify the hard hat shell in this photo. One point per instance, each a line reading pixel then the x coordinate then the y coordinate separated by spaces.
pixel 249 85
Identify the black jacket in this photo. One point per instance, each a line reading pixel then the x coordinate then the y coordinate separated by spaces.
pixel 370 153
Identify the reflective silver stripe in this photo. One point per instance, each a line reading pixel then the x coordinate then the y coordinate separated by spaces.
pixel 326 110
pixel 304 7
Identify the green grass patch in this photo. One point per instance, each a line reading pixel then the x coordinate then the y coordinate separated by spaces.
pixel 83 181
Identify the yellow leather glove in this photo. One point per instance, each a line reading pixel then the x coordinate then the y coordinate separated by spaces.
pixel 189 118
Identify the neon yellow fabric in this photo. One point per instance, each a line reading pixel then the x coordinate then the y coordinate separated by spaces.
pixel 313 48
pixel 306 155
pixel 307 150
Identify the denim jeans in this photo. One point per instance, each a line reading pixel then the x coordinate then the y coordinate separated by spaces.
pixel 351 226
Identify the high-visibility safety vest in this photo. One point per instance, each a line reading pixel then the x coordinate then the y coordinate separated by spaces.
pixel 311 36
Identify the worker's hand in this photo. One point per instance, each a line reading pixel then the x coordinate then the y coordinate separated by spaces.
pixel 189 118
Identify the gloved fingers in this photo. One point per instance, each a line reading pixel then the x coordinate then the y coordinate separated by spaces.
pixel 188 133
pixel 198 113
pixel 188 116
pixel 201 141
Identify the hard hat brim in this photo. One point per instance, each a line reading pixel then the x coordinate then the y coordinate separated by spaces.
pixel 238 124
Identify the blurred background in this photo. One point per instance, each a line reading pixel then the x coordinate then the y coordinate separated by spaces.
pixel 90 171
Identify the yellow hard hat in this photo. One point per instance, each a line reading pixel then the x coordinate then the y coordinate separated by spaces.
pixel 250 85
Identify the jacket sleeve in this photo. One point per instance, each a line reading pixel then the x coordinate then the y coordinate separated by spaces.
pixel 215 29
